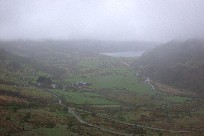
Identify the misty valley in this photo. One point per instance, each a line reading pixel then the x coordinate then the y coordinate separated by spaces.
pixel 101 68
pixel 66 88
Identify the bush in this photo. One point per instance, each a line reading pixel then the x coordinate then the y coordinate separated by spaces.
pixel 50 125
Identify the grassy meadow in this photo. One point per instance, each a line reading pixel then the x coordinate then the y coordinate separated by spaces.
pixel 81 97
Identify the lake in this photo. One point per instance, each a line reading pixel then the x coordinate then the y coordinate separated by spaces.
pixel 124 54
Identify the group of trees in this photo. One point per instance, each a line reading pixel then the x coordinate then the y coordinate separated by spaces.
pixel 44 81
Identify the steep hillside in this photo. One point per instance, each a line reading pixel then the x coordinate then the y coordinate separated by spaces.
pixel 179 64
pixel 19 70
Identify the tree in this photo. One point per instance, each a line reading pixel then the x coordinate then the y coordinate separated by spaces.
pixel 44 81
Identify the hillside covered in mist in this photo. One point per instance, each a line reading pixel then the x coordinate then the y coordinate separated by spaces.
pixel 19 70
pixel 179 64
pixel 96 46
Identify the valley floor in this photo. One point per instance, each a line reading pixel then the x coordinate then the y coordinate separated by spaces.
pixel 115 102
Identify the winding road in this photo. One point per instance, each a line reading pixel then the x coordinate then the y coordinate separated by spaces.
pixel 71 110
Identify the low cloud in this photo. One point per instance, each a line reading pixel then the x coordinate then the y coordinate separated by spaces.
pixel 102 19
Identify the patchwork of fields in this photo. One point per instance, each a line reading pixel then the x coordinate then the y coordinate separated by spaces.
pixel 115 93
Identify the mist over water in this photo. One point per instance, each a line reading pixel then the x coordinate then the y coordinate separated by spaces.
pixel 125 54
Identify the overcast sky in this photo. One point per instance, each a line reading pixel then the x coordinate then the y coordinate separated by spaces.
pixel 148 20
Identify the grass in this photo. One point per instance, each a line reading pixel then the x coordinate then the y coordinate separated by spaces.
pixel 132 115
pixel 176 99
pixel 109 74
pixel 26 91
pixel 83 97
pixel 95 63
pixel 55 112
pixel 200 111
pixel 117 81
pixel 57 131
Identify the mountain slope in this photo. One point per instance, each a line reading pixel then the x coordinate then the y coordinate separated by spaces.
pixel 16 69
pixel 179 64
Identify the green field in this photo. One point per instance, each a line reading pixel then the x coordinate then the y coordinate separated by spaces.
pixel 81 97
pixel 109 74
pixel 177 99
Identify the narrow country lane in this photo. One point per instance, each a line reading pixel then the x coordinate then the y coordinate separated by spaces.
pixel 71 110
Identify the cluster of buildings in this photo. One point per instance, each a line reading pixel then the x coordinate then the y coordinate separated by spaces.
pixel 82 84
